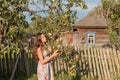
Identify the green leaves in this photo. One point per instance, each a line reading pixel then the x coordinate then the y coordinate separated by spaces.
pixel 111 9
pixel 12 23
pixel 60 16
pixel 11 48
pixel 5 4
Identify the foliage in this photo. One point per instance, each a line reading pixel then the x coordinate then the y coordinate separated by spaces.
pixel 13 26
pixel 112 14
pixel 58 16
pixel 12 22
pixel 11 48
pixel 70 55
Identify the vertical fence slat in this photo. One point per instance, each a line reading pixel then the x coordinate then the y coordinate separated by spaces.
pixel 15 58
pixel 116 61
pixel 90 64
pixel 79 61
pixel 11 62
pixel 109 62
pixel 97 63
pixel 112 63
pixel 82 63
pixel 93 61
pixel 57 64
pixel 54 67
pixel 7 63
pixel 4 64
pixel 1 65
pixel 118 53
pixel 106 64
pixel 101 63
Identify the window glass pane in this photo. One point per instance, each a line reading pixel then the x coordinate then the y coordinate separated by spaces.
pixel 90 38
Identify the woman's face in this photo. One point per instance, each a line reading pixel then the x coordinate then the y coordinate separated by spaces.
pixel 43 38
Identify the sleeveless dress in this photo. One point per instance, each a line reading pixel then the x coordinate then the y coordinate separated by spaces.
pixel 45 72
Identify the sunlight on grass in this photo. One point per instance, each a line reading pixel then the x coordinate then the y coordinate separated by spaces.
pixel 34 77
pixel 59 77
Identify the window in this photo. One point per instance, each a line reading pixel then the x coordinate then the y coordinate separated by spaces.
pixel 90 38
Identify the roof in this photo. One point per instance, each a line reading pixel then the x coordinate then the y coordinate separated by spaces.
pixel 94 19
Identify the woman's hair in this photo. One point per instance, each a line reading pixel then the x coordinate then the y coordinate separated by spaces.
pixel 37 44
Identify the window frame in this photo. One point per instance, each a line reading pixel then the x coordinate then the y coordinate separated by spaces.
pixel 94 38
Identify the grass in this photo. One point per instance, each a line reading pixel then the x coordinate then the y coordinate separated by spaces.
pixel 57 77
pixel 33 77
pixel 66 77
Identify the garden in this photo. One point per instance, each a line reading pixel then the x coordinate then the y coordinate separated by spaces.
pixel 74 62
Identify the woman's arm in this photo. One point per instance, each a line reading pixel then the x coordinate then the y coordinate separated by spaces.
pixel 42 59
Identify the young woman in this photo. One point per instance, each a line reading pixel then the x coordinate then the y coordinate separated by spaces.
pixel 44 68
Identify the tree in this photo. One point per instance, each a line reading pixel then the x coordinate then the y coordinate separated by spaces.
pixel 12 24
pixel 59 16
pixel 112 14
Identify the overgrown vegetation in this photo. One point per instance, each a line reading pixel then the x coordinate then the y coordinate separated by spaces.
pixel 111 9
pixel 16 31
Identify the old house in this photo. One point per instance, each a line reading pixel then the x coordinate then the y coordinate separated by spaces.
pixel 90 31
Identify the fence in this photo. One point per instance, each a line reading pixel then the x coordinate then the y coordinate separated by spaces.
pixel 25 66
pixel 97 63
pixel 102 64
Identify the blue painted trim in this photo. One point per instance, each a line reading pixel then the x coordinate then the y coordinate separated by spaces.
pixel 94 33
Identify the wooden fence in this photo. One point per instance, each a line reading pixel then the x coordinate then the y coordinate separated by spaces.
pixel 100 63
pixel 97 63
pixel 25 66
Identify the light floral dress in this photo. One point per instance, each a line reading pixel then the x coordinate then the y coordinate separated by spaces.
pixel 45 72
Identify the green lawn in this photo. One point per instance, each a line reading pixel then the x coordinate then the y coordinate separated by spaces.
pixel 57 77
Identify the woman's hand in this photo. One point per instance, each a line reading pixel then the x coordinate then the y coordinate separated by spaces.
pixel 55 53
